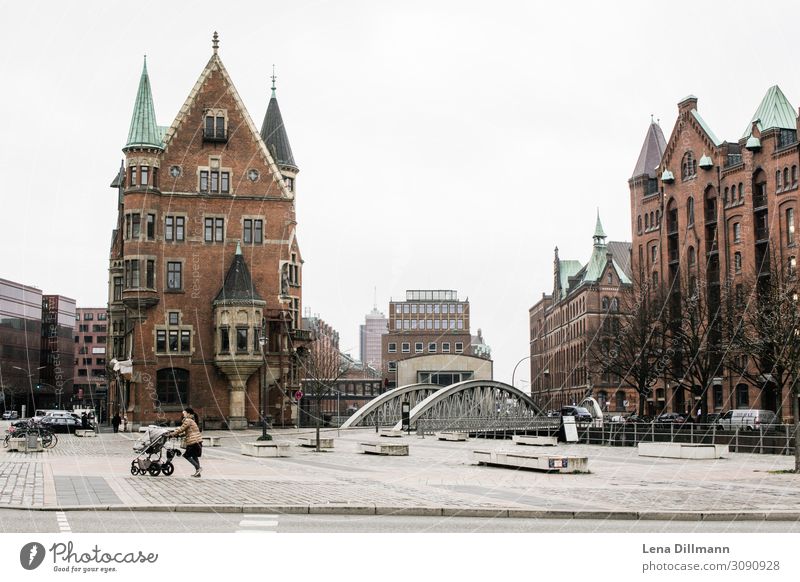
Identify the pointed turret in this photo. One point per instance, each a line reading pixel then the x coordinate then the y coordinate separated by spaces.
pixel 652 150
pixel 273 132
pixel 144 132
pixel 238 288
pixel 599 235
pixel 774 111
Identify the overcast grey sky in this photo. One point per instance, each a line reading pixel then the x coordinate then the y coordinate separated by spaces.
pixel 446 145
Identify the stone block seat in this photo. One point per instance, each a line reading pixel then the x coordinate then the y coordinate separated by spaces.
pixel 532 460
pixel 682 450
pixel 386 449
pixel 266 449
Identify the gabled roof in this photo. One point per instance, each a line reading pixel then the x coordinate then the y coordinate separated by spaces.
pixel 273 132
pixel 652 151
pixel 215 64
pixel 775 111
pixel 144 131
pixel 706 128
pixel 238 288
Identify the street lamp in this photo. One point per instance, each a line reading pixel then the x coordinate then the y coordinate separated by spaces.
pixel 517 365
pixel 262 341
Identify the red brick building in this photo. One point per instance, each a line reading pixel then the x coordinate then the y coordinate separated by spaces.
pixel 427 322
pixel 720 212
pixel 89 386
pixel 563 325
pixel 205 268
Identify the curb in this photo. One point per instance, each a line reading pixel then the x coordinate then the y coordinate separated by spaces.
pixel 431 511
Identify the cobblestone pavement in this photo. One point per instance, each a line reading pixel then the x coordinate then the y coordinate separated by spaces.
pixel 96 471
pixel 21 484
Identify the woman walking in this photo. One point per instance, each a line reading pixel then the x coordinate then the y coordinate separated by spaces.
pixel 193 438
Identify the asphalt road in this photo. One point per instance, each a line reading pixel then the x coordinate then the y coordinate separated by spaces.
pixel 23 521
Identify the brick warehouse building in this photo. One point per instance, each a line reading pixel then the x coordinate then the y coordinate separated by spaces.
pixel 564 323
pixel 205 262
pixel 720 212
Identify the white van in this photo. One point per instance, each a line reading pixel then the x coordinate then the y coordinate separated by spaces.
pixel 748 420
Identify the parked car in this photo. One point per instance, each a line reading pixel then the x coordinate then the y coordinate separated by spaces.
pixel 670 418
pixel 581 414
pixel 712 418
pixel 748 420
pixel 10 415
pixel 63 423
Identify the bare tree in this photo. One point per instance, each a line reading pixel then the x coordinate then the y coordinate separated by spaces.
pixel 631 343
pixel 321 367
pixel 696 337
pixel 765 338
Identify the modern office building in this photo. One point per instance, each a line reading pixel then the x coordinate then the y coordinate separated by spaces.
pixel 20 346
pixel 428 322
pixel 370 332
pixel 90 388
pixel 57 357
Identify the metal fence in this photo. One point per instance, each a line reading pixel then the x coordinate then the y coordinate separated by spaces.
pixel 778 440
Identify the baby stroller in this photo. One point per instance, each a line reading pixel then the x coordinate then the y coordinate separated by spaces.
pixel 151 449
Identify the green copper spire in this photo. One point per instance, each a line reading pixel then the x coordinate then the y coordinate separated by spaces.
pixel 144 131
pixel 599 234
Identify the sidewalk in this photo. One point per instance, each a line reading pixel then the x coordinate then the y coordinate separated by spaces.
pixel 437 478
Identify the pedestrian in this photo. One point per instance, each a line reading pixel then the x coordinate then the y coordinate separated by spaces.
pixel 84 421
pixel 124 423
pixel 115 421
pixel 193 439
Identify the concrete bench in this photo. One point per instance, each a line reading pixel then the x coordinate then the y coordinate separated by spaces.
pixel 454 436
pixel 388 432
pixel 387 449
pixel 211 441
pixel 266 449
pixel 20 444
pixel 324 443
pixel 520 460
pixel 85 432
pixel 536 441
pixel 682 450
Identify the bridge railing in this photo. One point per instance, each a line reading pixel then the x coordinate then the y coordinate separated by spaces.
pixel 509 424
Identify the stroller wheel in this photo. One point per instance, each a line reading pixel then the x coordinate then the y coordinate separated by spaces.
pixel 154 469
pixel 134 468
pixel 142 471
pixel 167 469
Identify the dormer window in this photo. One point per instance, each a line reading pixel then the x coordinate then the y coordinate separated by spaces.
pixel 214 128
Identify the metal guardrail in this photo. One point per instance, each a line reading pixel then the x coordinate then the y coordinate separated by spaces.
pixel 778 440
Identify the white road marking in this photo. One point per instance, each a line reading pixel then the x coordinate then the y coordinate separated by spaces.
pixel 258 523
pixel 63 524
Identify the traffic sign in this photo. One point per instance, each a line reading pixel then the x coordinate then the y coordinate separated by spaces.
pixel 298 395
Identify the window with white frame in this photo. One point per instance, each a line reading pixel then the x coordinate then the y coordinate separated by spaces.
pixel 405 347
pixel 392 348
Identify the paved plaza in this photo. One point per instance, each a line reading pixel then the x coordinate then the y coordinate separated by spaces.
pixel 437 478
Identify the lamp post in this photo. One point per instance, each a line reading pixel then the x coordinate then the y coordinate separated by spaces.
pixel 516 366
pixel 262 341
pixel 30 375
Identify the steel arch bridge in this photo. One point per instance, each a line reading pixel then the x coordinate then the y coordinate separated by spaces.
pixel 385 410
pixel 484 402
